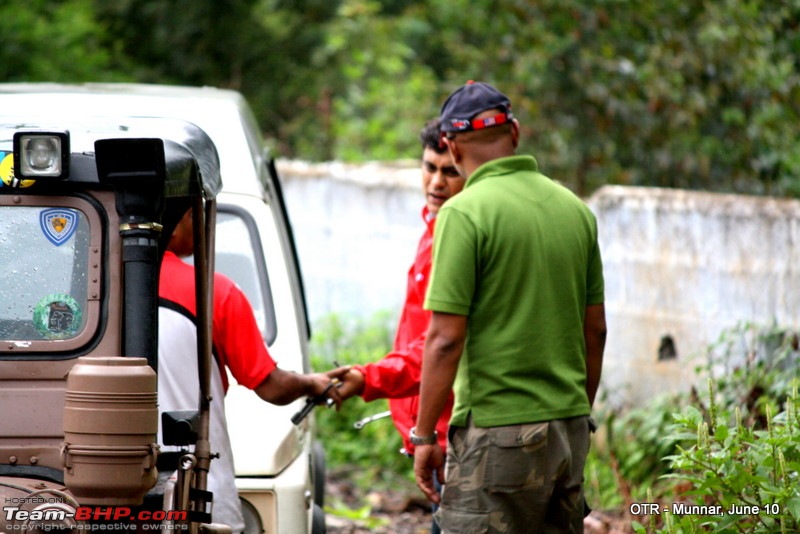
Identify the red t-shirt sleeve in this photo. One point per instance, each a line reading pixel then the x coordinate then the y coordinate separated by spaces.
pixel 237 337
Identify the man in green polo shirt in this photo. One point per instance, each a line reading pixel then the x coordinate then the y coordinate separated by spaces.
pixel 518 329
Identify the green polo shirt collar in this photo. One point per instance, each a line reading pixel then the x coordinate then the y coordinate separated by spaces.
pixel 500 166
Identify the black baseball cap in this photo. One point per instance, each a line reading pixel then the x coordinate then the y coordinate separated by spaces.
pixel 459 110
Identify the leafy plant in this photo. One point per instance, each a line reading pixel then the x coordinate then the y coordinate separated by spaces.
pixel 725 448
pixel 371 453
pixel 626 457
pixel 751 365
pixel 369 458
pixel 736 465
pixel 747 478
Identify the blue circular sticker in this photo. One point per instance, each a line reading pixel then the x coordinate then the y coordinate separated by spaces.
pixel 57 316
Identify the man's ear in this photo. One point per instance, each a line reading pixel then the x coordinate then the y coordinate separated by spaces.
pixel 455 151
pixel 515 133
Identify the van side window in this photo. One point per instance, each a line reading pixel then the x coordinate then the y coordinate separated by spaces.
pixel 239 256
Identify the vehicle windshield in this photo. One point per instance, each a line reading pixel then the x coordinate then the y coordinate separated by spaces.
pixel 44 254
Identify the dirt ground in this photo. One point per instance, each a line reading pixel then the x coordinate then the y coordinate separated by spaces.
pixel 406 511
pixel 401 511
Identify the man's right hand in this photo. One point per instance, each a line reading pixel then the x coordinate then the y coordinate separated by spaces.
pixel 282 387
pixel 352 384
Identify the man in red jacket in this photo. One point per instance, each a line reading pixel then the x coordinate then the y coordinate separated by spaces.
pixel 396 376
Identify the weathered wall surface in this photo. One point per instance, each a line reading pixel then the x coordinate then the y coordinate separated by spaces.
pixel 688 265
pixel 356 229
pixel 678 264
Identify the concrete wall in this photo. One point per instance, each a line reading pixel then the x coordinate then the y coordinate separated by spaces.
pixel 356 228
pixel 688 265
pixel 680 265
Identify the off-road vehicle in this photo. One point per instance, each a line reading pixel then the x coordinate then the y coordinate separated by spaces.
pixel 94 177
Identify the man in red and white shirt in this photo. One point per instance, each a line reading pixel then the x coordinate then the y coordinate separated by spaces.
pixel 397 375
pixel 237 345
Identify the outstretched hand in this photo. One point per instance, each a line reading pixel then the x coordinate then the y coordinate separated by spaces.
pixel 352 384
pixel 322 382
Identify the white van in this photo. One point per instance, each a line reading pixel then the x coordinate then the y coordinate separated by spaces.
pixel 280 466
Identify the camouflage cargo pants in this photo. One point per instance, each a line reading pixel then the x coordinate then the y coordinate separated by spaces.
pixel 517 479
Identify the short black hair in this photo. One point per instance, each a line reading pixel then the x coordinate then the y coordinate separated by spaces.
pixel 429 137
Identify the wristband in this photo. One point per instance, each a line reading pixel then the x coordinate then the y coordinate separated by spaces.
pixel 417 440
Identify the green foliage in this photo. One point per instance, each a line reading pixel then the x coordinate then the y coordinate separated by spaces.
pixel 723 448
pixel 735 451
pixel 735 465
pixel 362 514
pixel 387 96
pixel 369 457
pixel 751 366
pixel 54 41
pixel 601 481
pixel 371 453
pixel 626 458
pixel 677 93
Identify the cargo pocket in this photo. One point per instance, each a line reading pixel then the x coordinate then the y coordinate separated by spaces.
pixel 517 458
pixel 462 521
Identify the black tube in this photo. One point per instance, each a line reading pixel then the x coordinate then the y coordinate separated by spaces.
pixel 140 271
